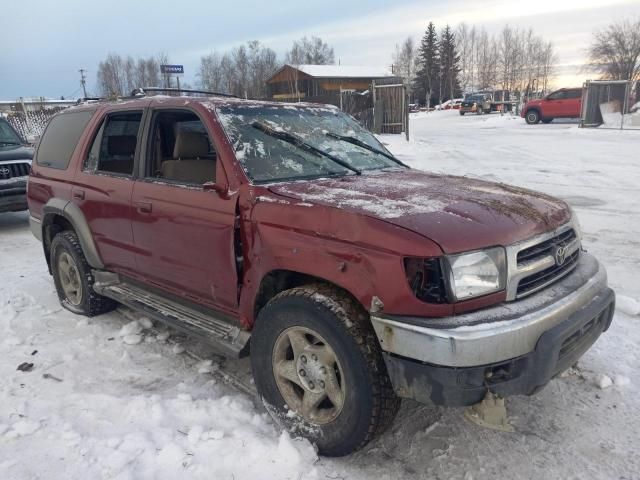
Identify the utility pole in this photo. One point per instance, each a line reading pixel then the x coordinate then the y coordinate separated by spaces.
pixel 83 81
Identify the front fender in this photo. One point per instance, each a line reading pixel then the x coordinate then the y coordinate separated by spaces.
pixel 360 254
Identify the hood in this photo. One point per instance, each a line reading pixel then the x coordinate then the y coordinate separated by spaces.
pixel 458 213
pixel 15 152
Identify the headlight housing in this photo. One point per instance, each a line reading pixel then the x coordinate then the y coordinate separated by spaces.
pixel 474 274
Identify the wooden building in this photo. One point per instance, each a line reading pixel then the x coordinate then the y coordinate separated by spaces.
pixel 322 83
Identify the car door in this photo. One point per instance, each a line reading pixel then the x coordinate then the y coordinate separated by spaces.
pixel 555 104
pixel 573 103
pixel 183 229
pixel 103 186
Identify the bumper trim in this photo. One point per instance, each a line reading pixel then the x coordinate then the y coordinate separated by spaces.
pixel 556 350
pixel 496 334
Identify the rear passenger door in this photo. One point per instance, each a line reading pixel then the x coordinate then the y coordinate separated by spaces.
pixel 184 232
pixel 574 103
pixel 104 185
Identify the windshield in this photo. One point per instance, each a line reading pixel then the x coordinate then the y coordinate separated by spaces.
pixel 268 157
pixel 7 135
pixel 474 98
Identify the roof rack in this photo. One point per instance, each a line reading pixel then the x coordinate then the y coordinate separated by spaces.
pixel 140 92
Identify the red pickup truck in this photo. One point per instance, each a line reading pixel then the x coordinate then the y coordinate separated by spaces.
pixel 288 232
pixel 563 103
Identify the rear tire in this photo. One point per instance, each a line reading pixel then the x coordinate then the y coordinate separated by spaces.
pixel 316 341
pixel 73 277
pixel 462 114
pixel 547 120
pixel 532 117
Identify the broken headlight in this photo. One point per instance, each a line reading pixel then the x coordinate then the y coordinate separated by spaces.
pixel 426 279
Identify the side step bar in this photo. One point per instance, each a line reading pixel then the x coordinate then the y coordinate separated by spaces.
pixel 229 339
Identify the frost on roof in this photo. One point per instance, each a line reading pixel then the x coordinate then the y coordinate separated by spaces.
pixel 341 71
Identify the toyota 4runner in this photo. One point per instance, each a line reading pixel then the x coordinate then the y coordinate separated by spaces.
pixel 289 233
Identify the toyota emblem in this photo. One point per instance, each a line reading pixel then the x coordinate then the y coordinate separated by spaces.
pixel 560 254
pixel 5 172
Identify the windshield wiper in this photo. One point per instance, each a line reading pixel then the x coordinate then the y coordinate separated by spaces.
pixel 9 143
pixel 366 146
pixel 300 143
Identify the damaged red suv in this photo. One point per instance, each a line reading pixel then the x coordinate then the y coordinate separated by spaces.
pixel 287 232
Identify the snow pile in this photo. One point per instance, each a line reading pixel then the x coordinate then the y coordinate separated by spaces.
pixel 104 409
pixel 627 305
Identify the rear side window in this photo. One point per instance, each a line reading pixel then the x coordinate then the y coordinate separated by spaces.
pixel 114 146
pixel 60 139
pixel 574 93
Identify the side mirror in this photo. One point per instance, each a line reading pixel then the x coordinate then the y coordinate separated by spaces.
pixel 221 190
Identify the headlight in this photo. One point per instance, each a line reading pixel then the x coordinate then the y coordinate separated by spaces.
pixel 477 273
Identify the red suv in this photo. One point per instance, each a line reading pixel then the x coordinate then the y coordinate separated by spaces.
pixel 563 103
pixel 287 232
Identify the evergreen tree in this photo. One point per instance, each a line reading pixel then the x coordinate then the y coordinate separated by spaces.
pixel 449 67
pixel 426 81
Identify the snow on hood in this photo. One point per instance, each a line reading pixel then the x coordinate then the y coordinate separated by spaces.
pixel 459 213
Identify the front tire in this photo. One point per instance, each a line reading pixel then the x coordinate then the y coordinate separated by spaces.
pixel 73 277
pixel 461 113
pixel 532 117
pixel 547 120
pixel 319 369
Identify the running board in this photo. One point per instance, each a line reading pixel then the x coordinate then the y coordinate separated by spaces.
pixel 229 339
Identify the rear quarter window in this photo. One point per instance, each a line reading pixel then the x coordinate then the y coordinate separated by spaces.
pixel 60 139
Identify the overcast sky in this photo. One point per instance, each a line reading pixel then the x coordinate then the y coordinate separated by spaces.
pixel 43 43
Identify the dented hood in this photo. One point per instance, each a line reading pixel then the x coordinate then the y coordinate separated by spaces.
pixel 458 213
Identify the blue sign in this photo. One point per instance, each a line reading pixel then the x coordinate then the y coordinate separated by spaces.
pixel 171 68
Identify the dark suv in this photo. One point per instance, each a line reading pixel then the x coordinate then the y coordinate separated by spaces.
pixel 289 233
pixel 15 162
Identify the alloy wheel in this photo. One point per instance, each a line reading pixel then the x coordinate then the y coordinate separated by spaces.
pixel 308 375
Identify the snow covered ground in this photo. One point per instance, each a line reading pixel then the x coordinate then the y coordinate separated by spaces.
pixel 108 398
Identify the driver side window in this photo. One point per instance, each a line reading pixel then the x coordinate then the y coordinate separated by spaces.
pixel 180 149
pixel 559 95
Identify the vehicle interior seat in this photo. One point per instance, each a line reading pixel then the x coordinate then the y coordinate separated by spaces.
pixel 191 162
pixel 120 152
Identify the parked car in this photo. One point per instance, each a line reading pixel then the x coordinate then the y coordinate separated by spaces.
pixel 15 162
pixel 563 103
pixel 287 232
pixel 456 103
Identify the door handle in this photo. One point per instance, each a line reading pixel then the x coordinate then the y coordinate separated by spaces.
pixel 78 194
pixel 143 207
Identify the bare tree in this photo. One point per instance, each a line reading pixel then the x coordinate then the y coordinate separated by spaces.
pixel 405 59
pixel 615 51
pixel 310 51
pixel 243 71
pixel 118 76
pixel 111 76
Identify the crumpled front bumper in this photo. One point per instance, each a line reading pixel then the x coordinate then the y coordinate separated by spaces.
pixel 513 348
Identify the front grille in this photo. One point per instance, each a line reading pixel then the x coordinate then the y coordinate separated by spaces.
pixel 545 248
pixel 547 276
pixel 13 170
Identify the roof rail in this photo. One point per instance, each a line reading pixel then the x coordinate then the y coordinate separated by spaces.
pixel 139 92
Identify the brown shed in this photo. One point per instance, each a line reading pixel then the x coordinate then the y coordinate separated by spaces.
pixel 322 83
